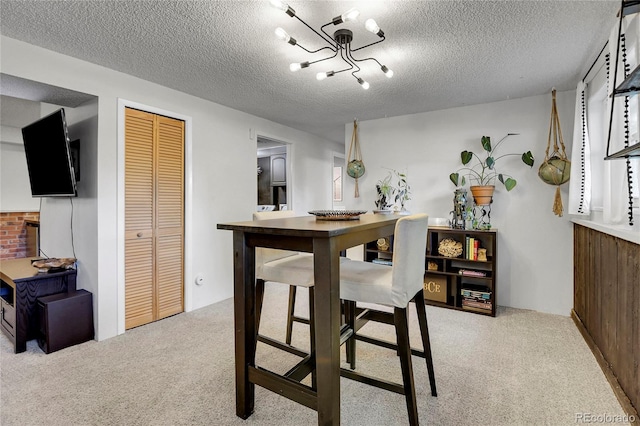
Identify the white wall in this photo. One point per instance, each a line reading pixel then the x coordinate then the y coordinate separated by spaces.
pixel 535 264
pixel 14 180
pixel 223 173
pixel 15 192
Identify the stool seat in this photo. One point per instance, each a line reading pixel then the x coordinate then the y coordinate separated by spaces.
pixel 292 270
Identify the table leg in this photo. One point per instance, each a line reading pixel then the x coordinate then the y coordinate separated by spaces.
pixel 244 322
pixel 327 321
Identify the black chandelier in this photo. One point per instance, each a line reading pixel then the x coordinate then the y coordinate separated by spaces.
pixel 339 44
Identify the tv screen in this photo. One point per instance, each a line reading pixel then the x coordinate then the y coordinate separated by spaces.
pixel 49 160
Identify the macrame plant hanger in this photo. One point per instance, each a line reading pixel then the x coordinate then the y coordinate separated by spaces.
pixel 556 167
pixel 355 166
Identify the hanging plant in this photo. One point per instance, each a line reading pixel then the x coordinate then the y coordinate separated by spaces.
pixel 556 168
pixel 355 167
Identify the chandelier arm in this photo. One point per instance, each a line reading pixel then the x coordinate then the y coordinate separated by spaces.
pixel 314 51
pixel 353 73
pixel 346 69
pixel 366 59
pixel 370 44
pixel 328 39
pixel 345 58
pixel 351 59
pixel 334 43
pixel 324 59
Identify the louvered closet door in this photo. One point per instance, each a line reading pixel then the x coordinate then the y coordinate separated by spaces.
pixel 154 219
pixel 169 214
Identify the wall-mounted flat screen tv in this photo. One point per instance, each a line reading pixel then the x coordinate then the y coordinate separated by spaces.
pixel 49 157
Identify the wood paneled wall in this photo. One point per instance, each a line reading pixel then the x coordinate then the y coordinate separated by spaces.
pixel 607 307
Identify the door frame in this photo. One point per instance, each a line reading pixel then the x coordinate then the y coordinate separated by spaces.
pixel 289 164
pixel 334 155
pixel 188 203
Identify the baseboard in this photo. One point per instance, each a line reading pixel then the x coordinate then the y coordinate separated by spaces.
pixel 626 404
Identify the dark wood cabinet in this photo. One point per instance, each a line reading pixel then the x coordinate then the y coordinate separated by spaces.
pixel 66 319
pixel 20 287
pixel 465 280
pixel 606 307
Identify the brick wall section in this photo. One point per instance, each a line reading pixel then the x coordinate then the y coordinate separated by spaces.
pixel 13 234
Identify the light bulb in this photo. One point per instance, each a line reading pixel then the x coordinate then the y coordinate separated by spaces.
pixel 323 75
pixel 371 25
pixel 350 15
pixel 387 71
pixel 278 4
pixel 282 34
pixel 296 66
pixel 363 83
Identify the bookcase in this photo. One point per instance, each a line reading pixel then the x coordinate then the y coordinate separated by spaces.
pixel 458 275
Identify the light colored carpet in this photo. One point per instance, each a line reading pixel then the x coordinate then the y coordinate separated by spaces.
pixel 520 368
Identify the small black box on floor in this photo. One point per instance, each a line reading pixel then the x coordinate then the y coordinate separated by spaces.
pixel 66 319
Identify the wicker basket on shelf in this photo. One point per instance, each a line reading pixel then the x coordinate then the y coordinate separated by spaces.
pixel 450 248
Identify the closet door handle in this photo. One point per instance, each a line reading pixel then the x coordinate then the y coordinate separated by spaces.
pixel 139 234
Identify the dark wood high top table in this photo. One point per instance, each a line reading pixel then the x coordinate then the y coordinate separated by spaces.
pixel 325 239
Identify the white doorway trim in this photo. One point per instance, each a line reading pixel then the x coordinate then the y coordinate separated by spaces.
pixel 334 155
pixel 188 204
pixel 289 165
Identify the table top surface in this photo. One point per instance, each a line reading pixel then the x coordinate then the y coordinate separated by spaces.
pixel 311 226
pixel 21 269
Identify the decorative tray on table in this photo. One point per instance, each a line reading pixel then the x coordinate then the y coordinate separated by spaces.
pixel 337 214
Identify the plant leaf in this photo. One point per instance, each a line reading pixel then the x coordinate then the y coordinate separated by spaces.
pixel 490 162
pixel 454 178
pixel 500 178
pixel 509 184
pixel 486 143
pixel 527 158
pixel 463 181
pixel 466 156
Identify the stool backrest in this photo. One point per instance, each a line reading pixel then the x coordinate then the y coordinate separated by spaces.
pixel 409 249
pixel 264 255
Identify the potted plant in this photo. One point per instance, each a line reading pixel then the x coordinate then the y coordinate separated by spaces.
pixel 483 173
pixel 385 192
pixel 403 190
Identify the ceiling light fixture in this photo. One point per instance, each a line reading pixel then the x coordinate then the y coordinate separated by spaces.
pixel 339 44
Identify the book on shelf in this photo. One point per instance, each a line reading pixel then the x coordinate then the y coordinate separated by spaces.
pixel 380 261
pixel 471 248
pixel 476 294
pixel 472 273
pixel 474 309
pixel 478 303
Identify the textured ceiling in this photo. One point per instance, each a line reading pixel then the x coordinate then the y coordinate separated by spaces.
pixel 444 53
